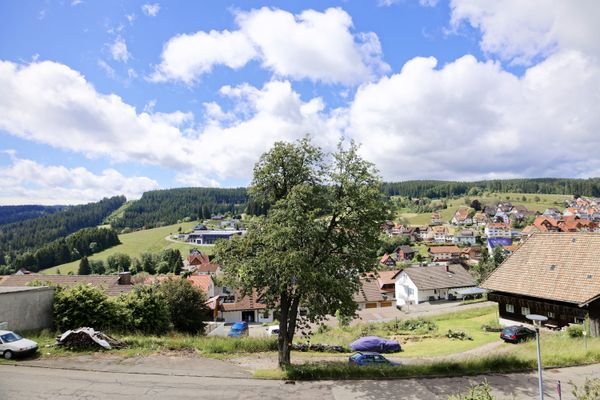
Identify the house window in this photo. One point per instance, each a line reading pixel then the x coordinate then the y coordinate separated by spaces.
pixel 525 310
pixel 510 308
pixel 551 314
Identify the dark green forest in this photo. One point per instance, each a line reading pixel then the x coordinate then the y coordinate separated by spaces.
pixel 82 243
pixel 9 214
pixel 27 236
pixel 165 207
pixel 441 189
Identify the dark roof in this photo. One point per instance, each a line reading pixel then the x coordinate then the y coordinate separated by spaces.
pixel 245 303
pixel 110 283
pixel 369 291
pixel 405 249
pixel 436 277
pixel 556 266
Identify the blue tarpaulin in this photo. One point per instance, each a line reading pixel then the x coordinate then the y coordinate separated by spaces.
pixel 375 343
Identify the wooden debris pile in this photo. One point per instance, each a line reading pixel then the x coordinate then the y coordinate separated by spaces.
pixel 88 338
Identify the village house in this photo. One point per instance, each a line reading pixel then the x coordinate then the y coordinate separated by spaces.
pixel 444 253
pixel 436 218
pixel 461 217
pixel 435 282
pixel 376 290
pixel 198 263
pixel 389 260
pixel 551 274
pixel 480 219
pixel 465 237
pixel 440 234
pixel 553 213
pixel 235 307
pixel 202 235
pixel 405 253
pixel 497 230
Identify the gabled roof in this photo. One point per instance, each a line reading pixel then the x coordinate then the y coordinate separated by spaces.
pixel 444 249
pixel 246 303
pixel 201 281
pixel 556 266
pixel 110 283
pixel 386 278
pixel 369 291
pixel 436 277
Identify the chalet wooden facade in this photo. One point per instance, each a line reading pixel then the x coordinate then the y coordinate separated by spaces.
pixel 552 274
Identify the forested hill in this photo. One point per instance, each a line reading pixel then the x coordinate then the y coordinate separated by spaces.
pixel 439 189
pixel 18 237
pixel 165 207
pixel 10 214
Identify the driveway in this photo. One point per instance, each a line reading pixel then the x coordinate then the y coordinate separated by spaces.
pixel 170 377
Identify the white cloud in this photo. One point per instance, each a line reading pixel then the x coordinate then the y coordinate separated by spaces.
pixel 186 57
pixel 151 10
pixel 313 45
pixel 118 50
pixel 110 71
pixel 523 31
pixel 471 120
pixel 50 103
pixel 29 182
pixel 76 2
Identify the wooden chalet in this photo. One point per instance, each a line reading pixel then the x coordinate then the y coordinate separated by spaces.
pixel 553 274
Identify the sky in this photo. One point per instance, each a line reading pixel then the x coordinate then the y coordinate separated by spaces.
pixel 100 98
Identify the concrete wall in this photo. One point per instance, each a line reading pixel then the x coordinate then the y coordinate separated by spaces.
pixel 26 308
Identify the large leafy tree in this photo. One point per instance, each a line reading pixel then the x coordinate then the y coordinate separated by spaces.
pixel 319 235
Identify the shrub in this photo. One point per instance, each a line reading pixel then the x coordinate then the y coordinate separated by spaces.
pixel 149 309
pixel 460 335
pixel 482 391
pixel 589 391
pixel 419 325
pixel 492 326
pixel 185 304
pixel 575 331
pixel 84 305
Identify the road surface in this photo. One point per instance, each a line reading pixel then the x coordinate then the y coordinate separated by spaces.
pixel 168 378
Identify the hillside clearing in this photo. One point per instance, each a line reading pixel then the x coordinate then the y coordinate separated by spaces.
pixel 136 243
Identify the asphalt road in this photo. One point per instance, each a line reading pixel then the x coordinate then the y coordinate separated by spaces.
pixel 29 382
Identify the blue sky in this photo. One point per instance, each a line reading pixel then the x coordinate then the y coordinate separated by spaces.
pixel 119 97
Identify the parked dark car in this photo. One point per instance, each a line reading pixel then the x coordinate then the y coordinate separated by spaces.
pixel 516 334
pixel 376 344
pixel 239 329
pixel 370 358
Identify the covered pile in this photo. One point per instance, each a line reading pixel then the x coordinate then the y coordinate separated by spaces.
pixel 88 338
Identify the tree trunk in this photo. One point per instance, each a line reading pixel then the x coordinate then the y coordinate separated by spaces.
pixel 283 343
pixel 287 328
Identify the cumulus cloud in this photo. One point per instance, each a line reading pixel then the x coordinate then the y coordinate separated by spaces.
pixel 186 57
pixel 472 120
pixel 313 45
pixel 151 10
pixel 52 104
pixel 118 50
pixel 25 181
pixel 523 32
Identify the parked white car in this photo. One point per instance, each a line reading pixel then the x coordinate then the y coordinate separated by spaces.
pixel 12 344
pixel 273 330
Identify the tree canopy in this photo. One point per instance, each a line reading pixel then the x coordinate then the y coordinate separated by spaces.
pixel 317 238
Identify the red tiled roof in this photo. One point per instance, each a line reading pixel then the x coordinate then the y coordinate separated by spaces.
pixel 201 281
pixel 244 303
pixel 444 249
pixel 110 283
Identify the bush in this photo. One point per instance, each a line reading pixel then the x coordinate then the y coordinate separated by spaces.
pixel 492 326
pixel 575 331
pixel 421 326
pixel 149 309
pixel 460 335
pixel 482 391
pixel 589 391
pixel 185 304
pixel 89 306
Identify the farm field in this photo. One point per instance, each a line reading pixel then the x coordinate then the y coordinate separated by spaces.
pixel 136 243
pixel 525 199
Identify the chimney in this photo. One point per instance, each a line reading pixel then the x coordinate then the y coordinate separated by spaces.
pixel 447 268
pixel 125 278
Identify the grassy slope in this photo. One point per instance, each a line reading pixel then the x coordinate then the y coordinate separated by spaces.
pixel 118 213
pixel 136 243
pixel 546 201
